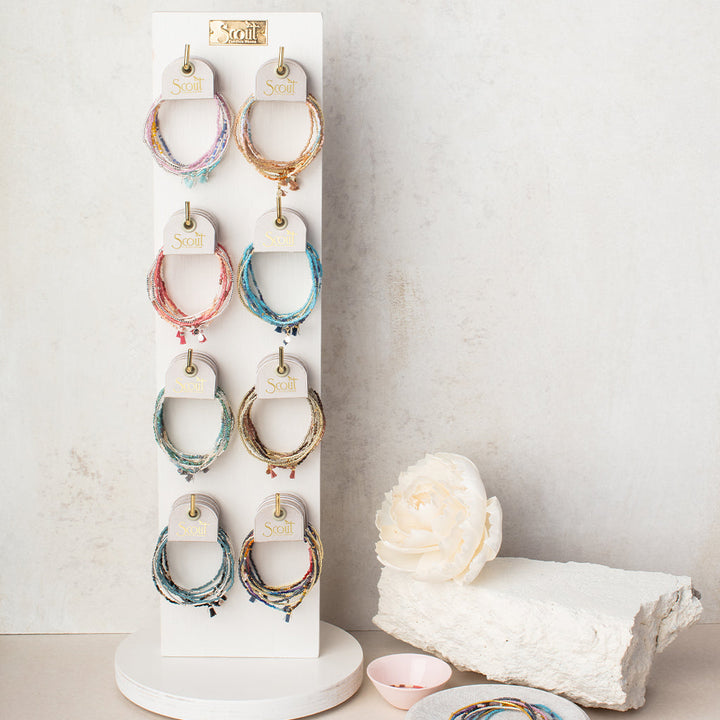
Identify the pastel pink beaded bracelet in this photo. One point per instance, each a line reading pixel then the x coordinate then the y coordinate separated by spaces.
pixel 168 310
pixel 198 170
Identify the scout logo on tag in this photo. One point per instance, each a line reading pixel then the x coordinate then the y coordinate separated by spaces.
pixel 280 231
pixel 194 518
pixel 281 376
pixel 280 517
pixel 238 32
pixel 281 79
pixel 188 78
pixel 189 233
pixel 191 376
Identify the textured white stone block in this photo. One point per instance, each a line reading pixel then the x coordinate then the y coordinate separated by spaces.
pixel 586 631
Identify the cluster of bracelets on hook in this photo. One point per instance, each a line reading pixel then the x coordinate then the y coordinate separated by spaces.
pixel 189 464
pixel 198 170
pixel 168 310
pixel 284 598
pixel 252 298
pixel 274 458
pixel 284 173
pixel 211 594
pixel 490 708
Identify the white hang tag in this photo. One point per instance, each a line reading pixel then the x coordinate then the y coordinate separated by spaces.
pixel 203 527
pixel 270 383
pixel 269 237
pixel 198 239
pixel 200 382
pixel 289 525
pixel 270 86
pixel 196 85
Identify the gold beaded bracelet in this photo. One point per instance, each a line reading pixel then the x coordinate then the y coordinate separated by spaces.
pixel 284 173
pixel 273 458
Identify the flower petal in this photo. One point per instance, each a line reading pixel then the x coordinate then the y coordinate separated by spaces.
pixel 491 542
pixel 399 561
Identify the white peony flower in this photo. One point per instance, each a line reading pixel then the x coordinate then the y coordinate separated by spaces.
pixel 437 521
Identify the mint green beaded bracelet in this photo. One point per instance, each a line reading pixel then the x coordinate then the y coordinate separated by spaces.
pixel 189 464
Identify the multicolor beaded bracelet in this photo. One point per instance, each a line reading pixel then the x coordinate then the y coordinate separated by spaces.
pixel 211 594
pixel 273 458
pixel 189 464
pixel 284 173
pixel 198 170
pixel 252 298
pixel 488 708
pixel 169 311
pixel 284 598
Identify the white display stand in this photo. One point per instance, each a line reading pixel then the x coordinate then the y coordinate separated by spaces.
pixel 239 688
pixel 236 195
pixel 246 662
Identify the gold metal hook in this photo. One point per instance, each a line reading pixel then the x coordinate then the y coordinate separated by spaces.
pixel 193 510
pixel 278 508
pixel 280 219
pixel 187 67
pixel 282 369
pixel 190 369
pixel 189 223
pixel 282 69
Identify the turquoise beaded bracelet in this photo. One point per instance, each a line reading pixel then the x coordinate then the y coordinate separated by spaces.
pixel 210 594
pixel 489 708
pixel 253 300
pixel 189 464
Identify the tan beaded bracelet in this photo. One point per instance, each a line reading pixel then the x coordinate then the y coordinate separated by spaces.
pixel 273 458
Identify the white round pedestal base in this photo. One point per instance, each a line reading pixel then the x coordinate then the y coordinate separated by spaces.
pixel 242 688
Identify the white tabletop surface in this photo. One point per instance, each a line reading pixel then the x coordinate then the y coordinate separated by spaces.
pixel 72 676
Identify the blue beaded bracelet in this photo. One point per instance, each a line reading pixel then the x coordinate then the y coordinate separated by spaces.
pixel 188 464
pixel 252 298
pixel 211 594
pixel 490 708
pixel 284 598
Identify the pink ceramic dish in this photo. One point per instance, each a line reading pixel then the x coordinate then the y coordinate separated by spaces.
pixel 405 678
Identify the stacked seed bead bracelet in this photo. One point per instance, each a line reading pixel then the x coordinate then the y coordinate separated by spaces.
pixel 284 598
pixel 489 708
pixel 211 594
pixel 198 170
pixel 284 173
pixel 252 298
pixel 169 311
pixel 274 458
pixel 190 464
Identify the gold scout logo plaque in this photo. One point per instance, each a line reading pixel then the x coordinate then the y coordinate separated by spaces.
pixel 238 32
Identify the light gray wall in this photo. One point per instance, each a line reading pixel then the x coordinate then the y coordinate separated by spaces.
pixel 521 265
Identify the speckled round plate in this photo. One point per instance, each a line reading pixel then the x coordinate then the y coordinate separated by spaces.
pixel 441 705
